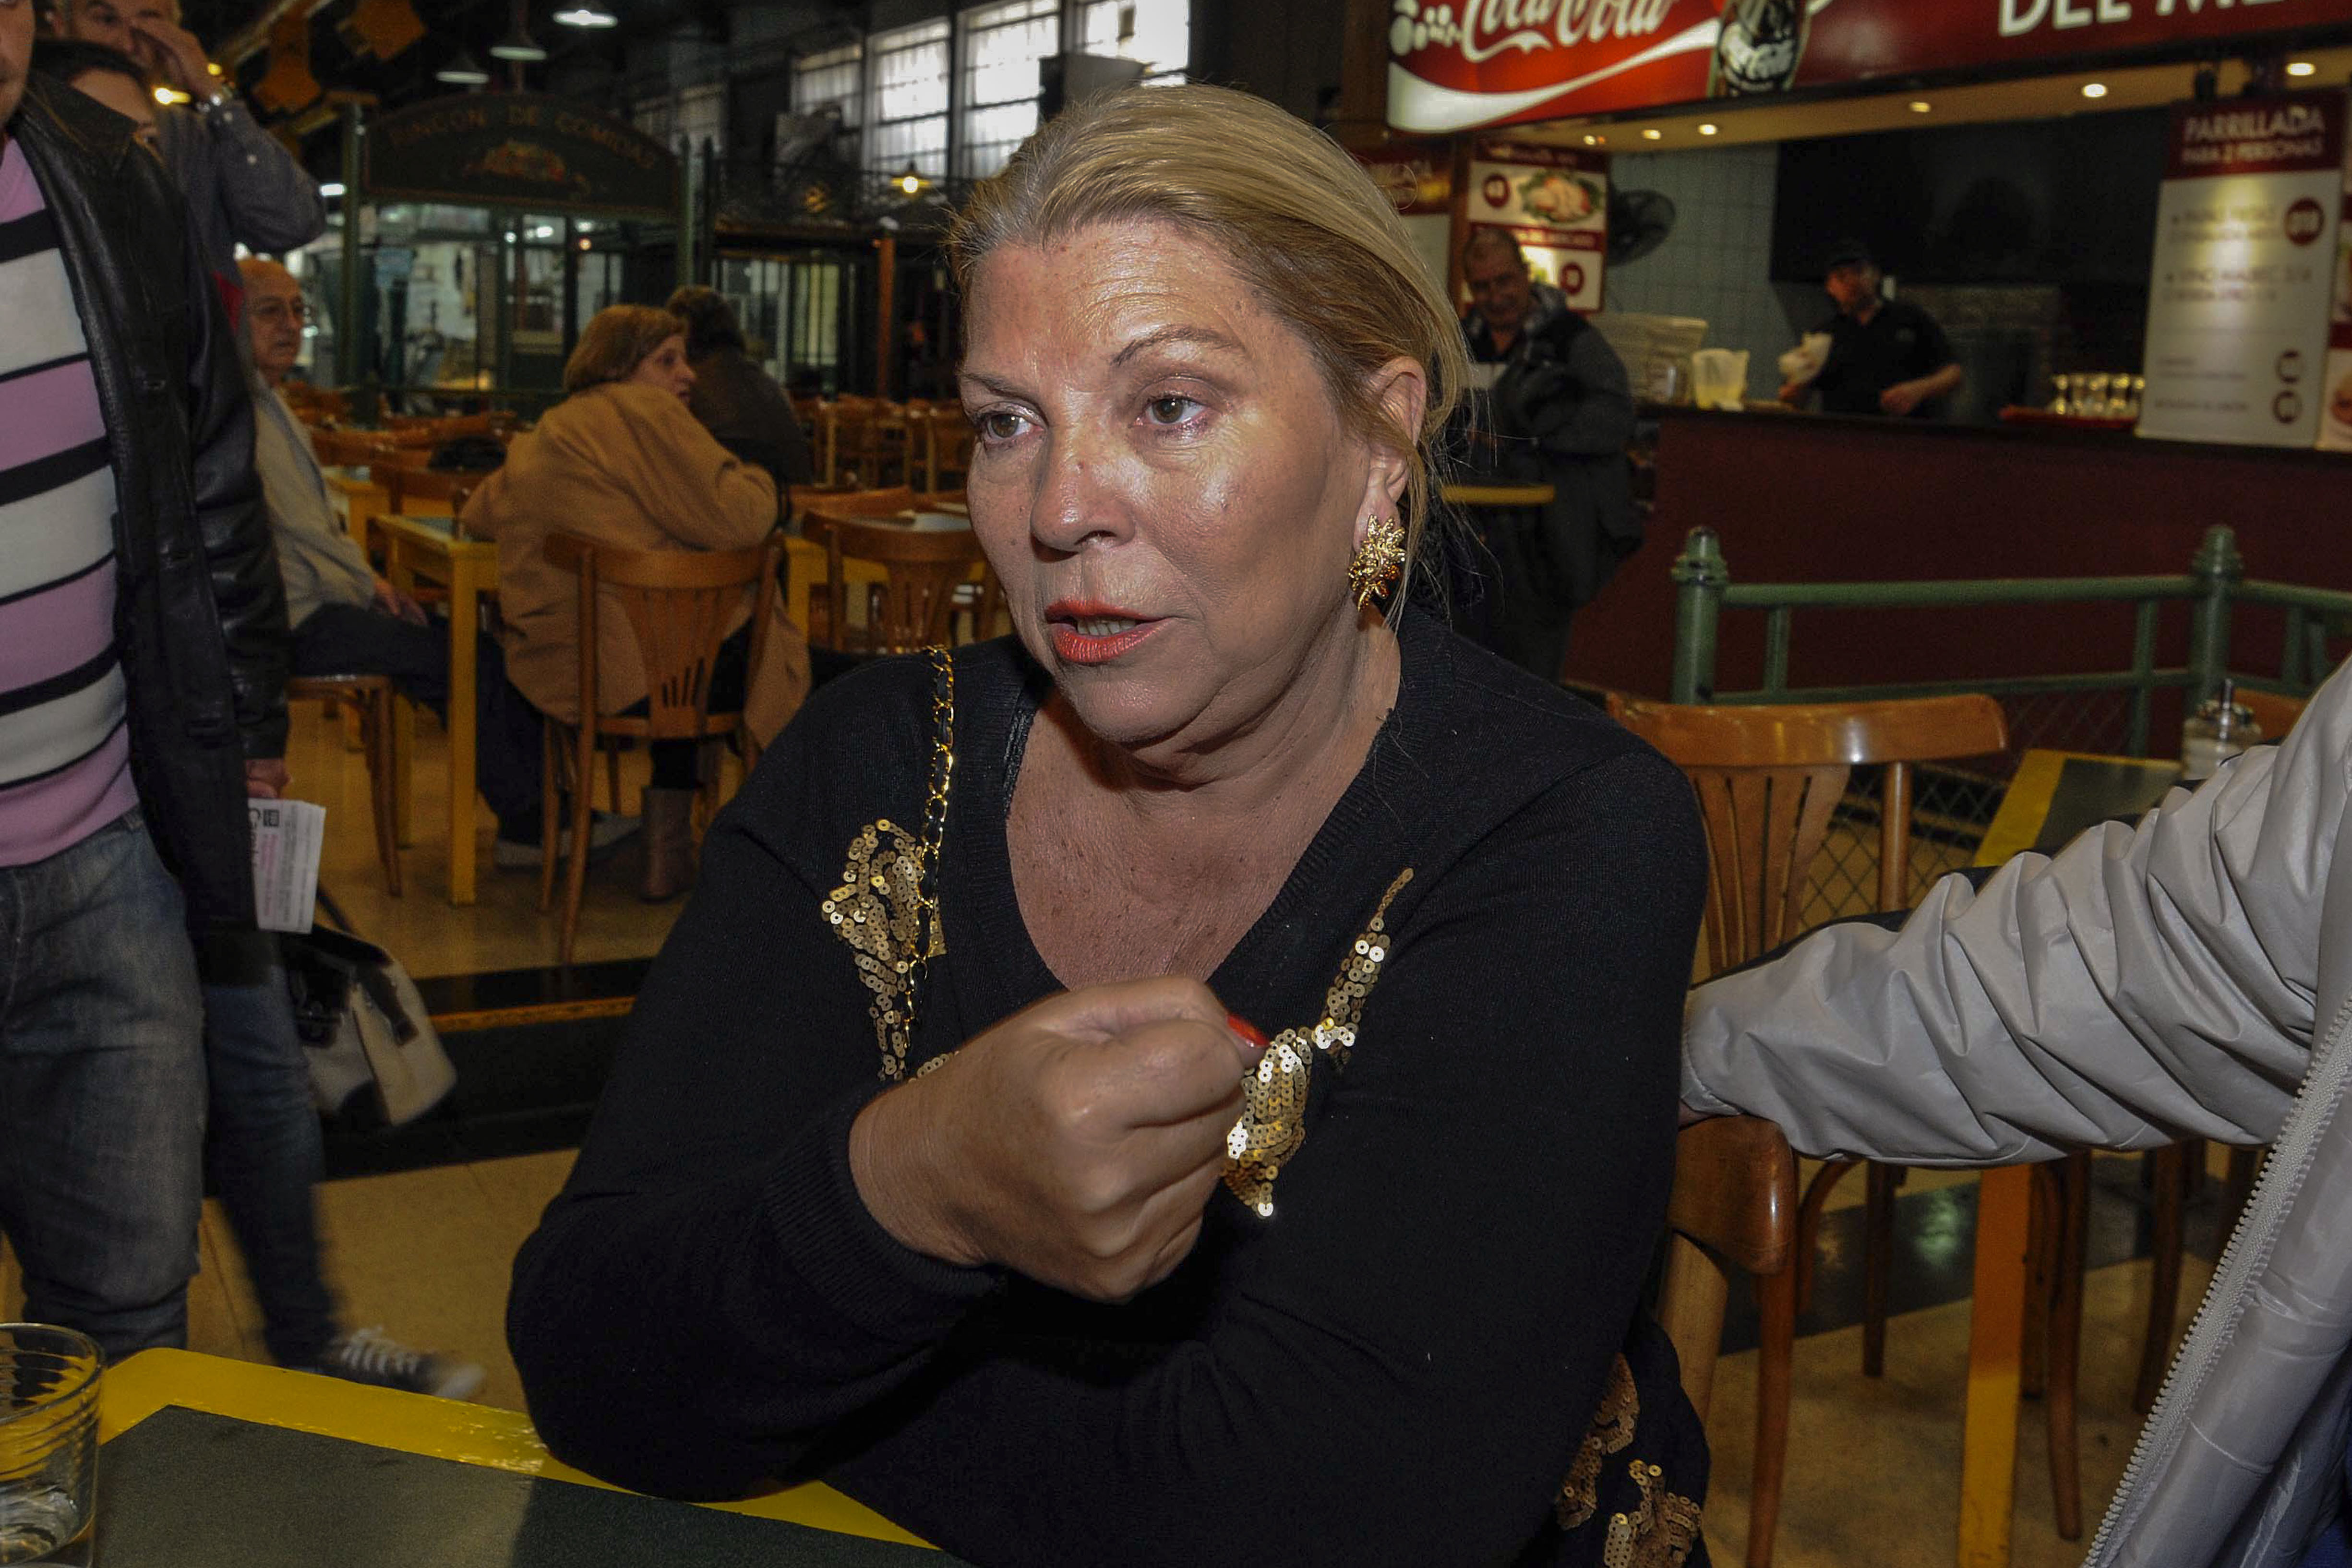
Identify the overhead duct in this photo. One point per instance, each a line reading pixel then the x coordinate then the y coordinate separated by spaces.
pixel 380 28
pixel 288 85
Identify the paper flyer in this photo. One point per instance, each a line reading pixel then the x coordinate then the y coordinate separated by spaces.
pixel 287 838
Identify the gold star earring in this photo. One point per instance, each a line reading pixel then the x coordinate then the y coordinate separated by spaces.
pixel 1379 561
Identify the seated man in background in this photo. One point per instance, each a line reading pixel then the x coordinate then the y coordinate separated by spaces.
pixel 740 404
pixel 242 186
pixel 347 621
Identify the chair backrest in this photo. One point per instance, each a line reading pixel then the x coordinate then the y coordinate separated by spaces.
pixel 680 605
pixel 1768 777
pixel 822 509
pixel 404 483
pixel 2275 712
pixel 914 606
pixel 1734 1201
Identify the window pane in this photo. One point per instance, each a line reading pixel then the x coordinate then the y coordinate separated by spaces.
pixel 910 100
pixel 1002 44
pixel 829 81
pixel 1158 33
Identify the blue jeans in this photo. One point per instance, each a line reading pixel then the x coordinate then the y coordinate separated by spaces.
pixel 263 1148
pixel 101 1090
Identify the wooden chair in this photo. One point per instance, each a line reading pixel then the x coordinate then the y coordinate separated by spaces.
pixel 1769 780
pixel 1734 1203
pixel 679 604
pixel 407 483
pixel 914 606
pixel 947 439
pixel 371 697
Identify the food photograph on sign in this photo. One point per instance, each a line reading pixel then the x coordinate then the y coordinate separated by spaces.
pixel 1555 202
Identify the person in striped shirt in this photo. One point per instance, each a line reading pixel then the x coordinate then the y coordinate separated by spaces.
pixel 142 661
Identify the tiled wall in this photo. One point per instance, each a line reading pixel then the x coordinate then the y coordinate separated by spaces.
pixel 1718 262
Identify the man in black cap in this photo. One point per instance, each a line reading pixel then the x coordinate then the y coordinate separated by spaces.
pixel 1886 355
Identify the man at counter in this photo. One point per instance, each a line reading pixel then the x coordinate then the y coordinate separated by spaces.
pixel 1560 413
pixel 1886 355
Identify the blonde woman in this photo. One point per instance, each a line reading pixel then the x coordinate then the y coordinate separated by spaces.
pixel 928 1168
pixel 622 462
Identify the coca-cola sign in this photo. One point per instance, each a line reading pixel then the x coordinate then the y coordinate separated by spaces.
pixel 1456 64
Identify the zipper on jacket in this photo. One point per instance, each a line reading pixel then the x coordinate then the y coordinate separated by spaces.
pixel 2246 1253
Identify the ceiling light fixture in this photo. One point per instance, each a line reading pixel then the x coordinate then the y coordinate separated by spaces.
pixel 332 189
pixel 1591 140
pixel 2094 89
pixel 2301 68
pixel 910 180
pixel 1652 134
pixel 463 71
pixel 1709 129
pixel 518 44
pixel 1920 106
pixel 587 14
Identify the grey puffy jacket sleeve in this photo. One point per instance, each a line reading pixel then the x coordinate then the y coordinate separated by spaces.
pixel 2150 982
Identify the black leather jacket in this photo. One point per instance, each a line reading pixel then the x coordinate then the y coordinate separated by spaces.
pixel 200 614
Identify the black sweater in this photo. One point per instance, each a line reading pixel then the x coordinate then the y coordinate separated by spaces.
pixel 1400 1366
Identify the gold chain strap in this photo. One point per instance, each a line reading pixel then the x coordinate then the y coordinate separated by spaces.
pixel 886 907
pixel 935 827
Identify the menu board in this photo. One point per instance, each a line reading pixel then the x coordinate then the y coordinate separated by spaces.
pixel 1555 202
pixel 2336 415
pixel 2242 284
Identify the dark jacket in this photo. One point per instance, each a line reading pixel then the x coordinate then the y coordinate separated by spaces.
pixel 1563 412
pixel 741 404
pixel 200 613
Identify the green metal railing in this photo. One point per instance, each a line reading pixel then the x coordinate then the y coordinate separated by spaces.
pixel 2213 588
pixel 2098 709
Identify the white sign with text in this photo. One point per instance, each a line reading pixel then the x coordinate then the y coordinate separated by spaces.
pixel 2239 290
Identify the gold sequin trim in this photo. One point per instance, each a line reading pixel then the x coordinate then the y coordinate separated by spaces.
pixel 886 907
pixel 1658 1533
pixel 1274 1114
pixel 1611 1429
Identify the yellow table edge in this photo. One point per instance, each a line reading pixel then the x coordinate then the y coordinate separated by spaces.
pixel 409 1424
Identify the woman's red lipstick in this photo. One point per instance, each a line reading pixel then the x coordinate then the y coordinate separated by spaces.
pixel 1088 631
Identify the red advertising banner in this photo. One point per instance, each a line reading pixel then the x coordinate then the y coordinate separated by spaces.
pixel 1453 66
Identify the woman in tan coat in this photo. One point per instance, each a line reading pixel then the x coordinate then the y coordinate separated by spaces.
pixel 622 462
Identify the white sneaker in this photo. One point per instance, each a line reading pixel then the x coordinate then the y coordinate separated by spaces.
pixel 510 854
pixel 369 1355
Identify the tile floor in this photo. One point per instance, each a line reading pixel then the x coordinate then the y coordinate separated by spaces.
pixel 1873 1473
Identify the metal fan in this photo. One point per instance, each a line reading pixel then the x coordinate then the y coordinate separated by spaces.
pixel 1639 222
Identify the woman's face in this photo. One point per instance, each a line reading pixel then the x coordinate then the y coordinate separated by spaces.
pixel 1162 482
pixel 666 367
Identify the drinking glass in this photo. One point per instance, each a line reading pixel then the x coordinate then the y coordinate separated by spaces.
pixel 48 1443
